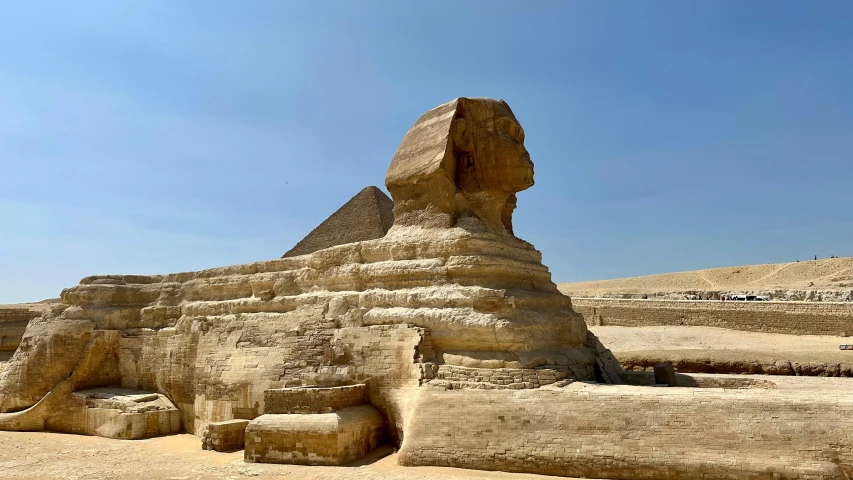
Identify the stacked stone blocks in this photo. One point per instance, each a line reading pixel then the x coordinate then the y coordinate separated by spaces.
pixel 498 378
pixel 226 436
pixel 314 400
pixel 314 426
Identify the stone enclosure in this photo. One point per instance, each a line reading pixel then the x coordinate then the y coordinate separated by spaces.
pixel 445 336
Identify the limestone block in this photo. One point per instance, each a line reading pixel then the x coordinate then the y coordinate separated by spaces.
pixel 226 436
pixel 333 438
pixel 116 413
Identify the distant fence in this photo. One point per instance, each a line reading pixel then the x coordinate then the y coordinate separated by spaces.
pixel 798 318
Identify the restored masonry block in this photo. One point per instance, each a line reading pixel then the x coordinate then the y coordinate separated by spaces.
pixel 226 436
pixel 314 426
pixel 314 400
pixel 314 439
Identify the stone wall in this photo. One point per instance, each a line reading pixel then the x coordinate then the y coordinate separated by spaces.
pixel 796 318
pixel 632 432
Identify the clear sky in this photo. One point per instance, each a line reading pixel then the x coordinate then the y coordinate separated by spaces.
pixel 164 136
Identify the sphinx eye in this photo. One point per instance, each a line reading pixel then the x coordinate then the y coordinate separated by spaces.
pixel 510 127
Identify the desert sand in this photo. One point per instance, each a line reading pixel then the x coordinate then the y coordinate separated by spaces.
pixel 41 455
pixel 829 274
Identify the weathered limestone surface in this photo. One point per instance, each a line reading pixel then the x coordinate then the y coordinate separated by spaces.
pixel 117 413
pixel 622 431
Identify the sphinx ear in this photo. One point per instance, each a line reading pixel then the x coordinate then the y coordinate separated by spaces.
pixel 461 135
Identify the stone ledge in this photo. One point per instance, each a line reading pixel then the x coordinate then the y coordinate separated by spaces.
pixel 313 399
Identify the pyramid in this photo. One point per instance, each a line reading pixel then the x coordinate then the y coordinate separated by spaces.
pixel 366 216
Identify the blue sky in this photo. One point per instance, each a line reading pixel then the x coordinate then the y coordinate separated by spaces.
pixel 162 136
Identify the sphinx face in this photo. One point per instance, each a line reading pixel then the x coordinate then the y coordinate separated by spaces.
pixel 491 153
pixel 492 163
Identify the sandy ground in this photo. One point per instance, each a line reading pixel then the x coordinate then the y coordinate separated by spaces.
pixel 43 455
pixel 42 306
pixel 723 344
pixel 829 273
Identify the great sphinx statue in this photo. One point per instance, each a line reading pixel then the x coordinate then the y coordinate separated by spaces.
pixel 450 272
pixel 465 345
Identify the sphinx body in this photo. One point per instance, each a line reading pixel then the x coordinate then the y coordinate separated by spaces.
pixel 465 344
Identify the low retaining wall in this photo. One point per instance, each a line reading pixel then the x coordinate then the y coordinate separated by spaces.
pixel 796 318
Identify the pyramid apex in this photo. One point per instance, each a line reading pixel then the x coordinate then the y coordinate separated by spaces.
pixel 366 216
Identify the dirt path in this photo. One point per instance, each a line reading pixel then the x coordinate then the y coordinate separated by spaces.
pixel 44 455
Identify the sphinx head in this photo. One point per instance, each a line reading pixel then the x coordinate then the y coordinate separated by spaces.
pixel 463 159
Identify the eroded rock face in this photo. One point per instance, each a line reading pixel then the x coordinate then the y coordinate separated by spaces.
pixel 448 285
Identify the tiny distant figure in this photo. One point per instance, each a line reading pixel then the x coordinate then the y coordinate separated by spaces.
pixel 815 257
